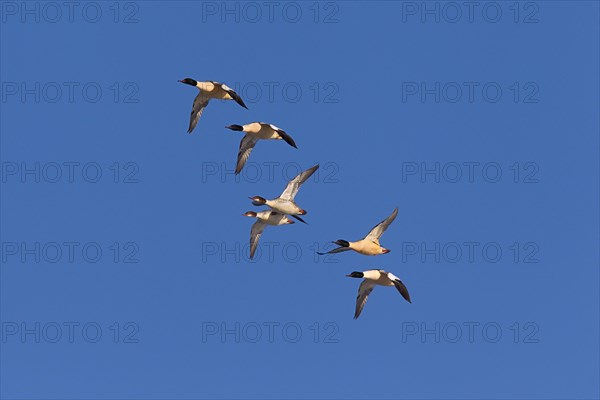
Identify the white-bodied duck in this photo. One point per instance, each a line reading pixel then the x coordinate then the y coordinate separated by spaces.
pixel 209 90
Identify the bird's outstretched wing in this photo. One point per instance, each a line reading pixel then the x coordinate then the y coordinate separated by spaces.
pixel 231 92
pixel 293 186
pixel 402 289
pixel 200 103
pixel 364 290
pixel 378 229
pixel 284 135
pixel 257 229
pixel 246 146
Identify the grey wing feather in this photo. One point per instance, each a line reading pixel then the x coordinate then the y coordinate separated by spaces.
pixel 293 186
pixel 200 103
pixel 364 290
pixel 257 229
pixel 378 229
pixel 246 146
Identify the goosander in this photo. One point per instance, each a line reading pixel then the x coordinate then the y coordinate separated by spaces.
pixel 373 278
pixel 209 90
pixel 368 246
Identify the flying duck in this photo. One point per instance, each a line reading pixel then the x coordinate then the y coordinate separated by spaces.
pixel 254 132
pixel 209 90
pixel 285 202
pixel 372 278
pixel 369 246
pixel 264 218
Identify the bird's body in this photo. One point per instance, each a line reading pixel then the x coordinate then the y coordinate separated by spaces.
pixel 264 218
pixel 373 278
pixel 288 207
pixel 214 90
pixel 262 130
pixel 209 90
pixel 369 246
pixel 285 203
pixel 256 131
pixel 272 218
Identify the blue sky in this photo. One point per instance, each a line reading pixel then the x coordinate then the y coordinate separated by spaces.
pixel 124 258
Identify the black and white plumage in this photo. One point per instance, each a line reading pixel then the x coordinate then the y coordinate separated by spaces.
pixel 254 132
pixel 209 90
pixel 373 278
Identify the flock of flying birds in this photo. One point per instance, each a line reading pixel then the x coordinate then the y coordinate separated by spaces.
pixel 283 207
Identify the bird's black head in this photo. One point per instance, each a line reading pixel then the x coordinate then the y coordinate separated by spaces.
pixel 235 127
pixel 356 274
pixel 188 81
pixel 258 201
